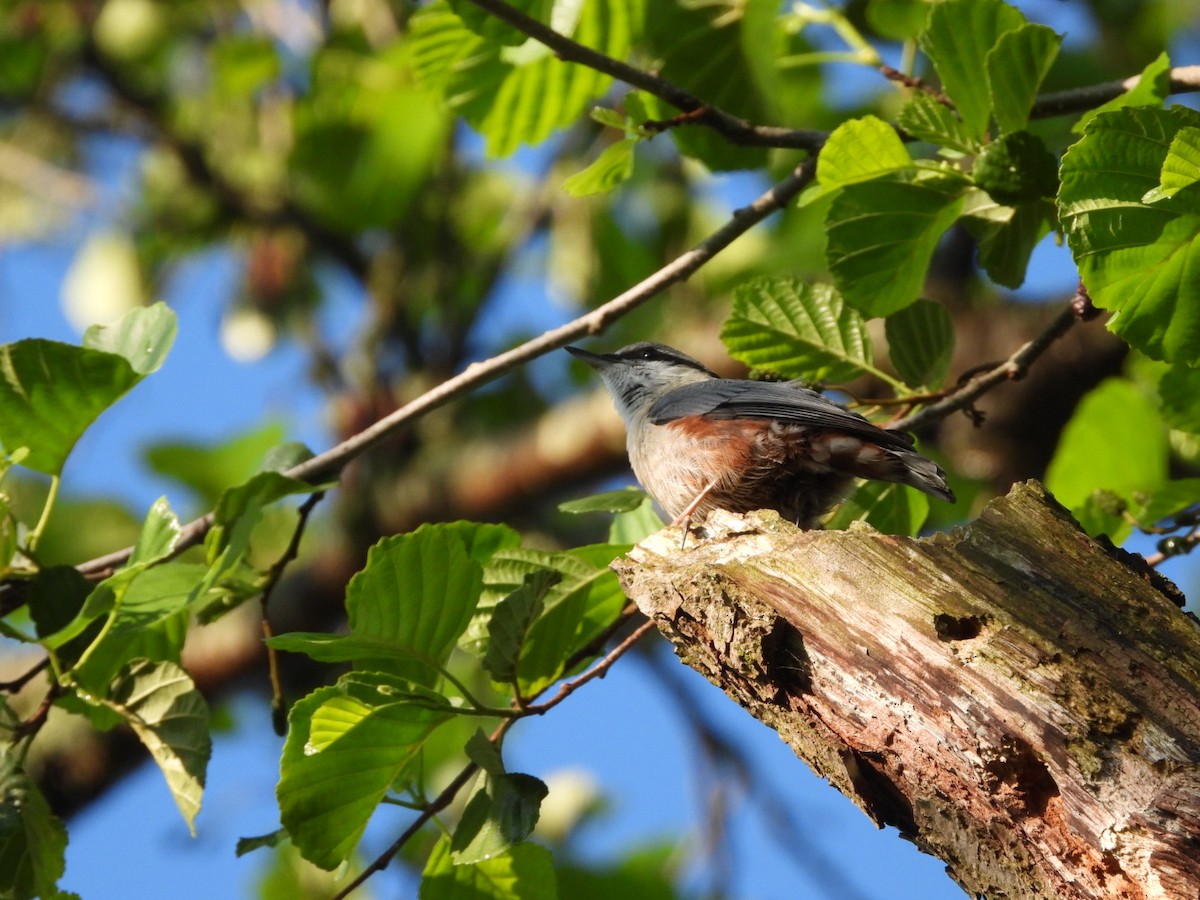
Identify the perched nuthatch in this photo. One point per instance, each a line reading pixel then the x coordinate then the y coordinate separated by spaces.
pixel 698 442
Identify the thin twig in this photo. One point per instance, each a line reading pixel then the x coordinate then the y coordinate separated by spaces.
pixel 1011 369
pixel 278 709
pixel 11 687
pixel 446 797
pixel 1183 80
pixel 732 128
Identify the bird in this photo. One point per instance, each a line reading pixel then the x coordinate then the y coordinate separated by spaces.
pixel 699 442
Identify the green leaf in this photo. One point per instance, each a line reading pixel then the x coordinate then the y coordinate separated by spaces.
pixel 623 500
pixel 169 716
pixel 926 119
pixel 33 842
pixel 1181 168
pixel 797 330
pixel 501 812
pixel 418 591
pixel 510 623
pixel 1140 260
pixel 580 606
pixel 889 508
pixel 898 20
pixel 50 393
pixel 346 745
pixel 1153 87
pixel 882 234
pixel 243 64
pixel 1006 235
pixel 613 166
pixel 1163 503
pixel 629 528
pixel 209 470
pixel 860 150
pixel 958 39
pixel 524 872
pixel 1179 389
pixel 159 535
pixel 495 30
pixel 1114 441
pixel 1016 66
pixel 921 342
pixel 1017 168
pixel 238 511
pixel 1103 512
pixel 519 95
pixel 276 838
pixel 143 337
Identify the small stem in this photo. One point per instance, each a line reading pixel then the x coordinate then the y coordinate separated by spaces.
pixel 34 536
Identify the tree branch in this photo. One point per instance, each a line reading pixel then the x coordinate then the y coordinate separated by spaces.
pixel 328 464
pixel 733 128
pixel 1018 699
pixel 1184 79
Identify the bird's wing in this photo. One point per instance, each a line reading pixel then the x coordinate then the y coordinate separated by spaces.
pixel 732 399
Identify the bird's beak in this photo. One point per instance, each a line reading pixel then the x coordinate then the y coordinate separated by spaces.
pixel 595 360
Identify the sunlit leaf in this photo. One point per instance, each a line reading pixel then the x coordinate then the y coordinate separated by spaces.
pixel 523 872
pixel 797 330
pixel 926 119
pixel 618 501
pixel 958 39
pixel 1141 260
pixel 346 745
pixel 510 623
pixel 143 336
pixel 1181 168
pixel 1179 389
pixel 882 234
pixel 1016 66
pixel 33 841
pixel 613 166
pixel 1152 88
pixel 890 508
pixel 859 150
pixel 164 709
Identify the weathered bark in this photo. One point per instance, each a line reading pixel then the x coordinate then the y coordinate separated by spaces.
pixel 1020 700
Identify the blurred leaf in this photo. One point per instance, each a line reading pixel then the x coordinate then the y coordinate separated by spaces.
pixel 1017 168
pixel 518 95
pixel 1161 504
pixel 1181 168
pixel 495 30
pixel 346 745
pixel 143 336
pixel 1153 87
pixel 33 842
pixel 1179 389
pixel 629 528
pixel 1136 259
pixel 898 20
pixel 50 393
pixel 958 39
pixel 623 500
pixel 243 63
pixel 524 872
pixel 703 51
pixel 646 873
pixel 276 838
pixel 613 166
pixel 22 59
pixel 1114 441
pixel 1016 66
pixel 1103 512
pixel 921 343
pixel 926 119
pixel 509 625
pixel 104 281
pixel 164 709
pixel 160 533
pixel 882 235
pixel 209 470
pixel 797 330
pixel 889 508
pixel 418 592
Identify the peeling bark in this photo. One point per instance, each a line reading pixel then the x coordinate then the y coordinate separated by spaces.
pixel 1020 700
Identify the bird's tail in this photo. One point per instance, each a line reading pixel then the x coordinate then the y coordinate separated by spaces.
pixel 924 474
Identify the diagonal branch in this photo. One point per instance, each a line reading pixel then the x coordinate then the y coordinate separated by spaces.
pixel 328 464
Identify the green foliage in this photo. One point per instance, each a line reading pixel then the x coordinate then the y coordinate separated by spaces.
pixel 797 330
pixel 353 151
pixel 51 392
pixel 1137 254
